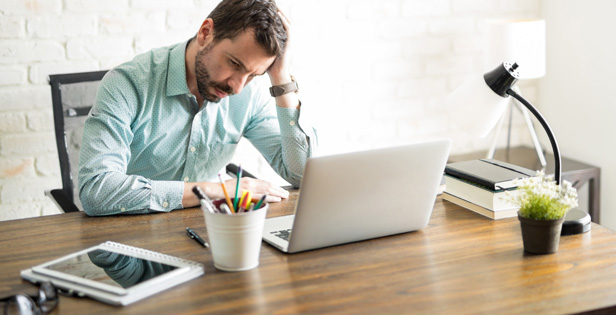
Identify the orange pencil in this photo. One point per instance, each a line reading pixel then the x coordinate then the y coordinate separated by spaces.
pixel 224 189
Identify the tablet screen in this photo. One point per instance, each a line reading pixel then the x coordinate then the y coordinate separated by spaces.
pixel 112 268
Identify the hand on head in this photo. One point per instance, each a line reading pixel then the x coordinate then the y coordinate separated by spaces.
pixel 282 63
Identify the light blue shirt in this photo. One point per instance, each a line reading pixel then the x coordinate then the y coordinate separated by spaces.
pixel 146 135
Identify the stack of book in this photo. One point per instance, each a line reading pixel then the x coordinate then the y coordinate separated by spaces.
pixel 483 186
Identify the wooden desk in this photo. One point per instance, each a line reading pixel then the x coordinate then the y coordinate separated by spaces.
pixel 576 172
pixel 461 263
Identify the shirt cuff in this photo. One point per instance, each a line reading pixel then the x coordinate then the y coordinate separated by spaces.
pixel 166 195
pixel 288 118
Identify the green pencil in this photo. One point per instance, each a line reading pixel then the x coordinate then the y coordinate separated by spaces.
pixel 237 186
pixel 260 202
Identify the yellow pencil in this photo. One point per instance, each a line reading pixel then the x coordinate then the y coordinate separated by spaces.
pixel 224 189
pixel 240 205
pixel 247 201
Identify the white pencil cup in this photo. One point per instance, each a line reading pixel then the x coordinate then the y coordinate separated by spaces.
pixel 235 239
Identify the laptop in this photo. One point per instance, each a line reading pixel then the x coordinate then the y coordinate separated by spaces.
pixel 362 195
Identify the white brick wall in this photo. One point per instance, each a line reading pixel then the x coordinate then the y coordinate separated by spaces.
pixel 373 73
pixel 12 27
pixel 62 26
pixel 26 51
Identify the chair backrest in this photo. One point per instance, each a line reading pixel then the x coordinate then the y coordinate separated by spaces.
pixel 73 95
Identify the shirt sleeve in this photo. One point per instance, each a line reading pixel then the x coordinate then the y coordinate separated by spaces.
pixel 283 138
pixel 105 188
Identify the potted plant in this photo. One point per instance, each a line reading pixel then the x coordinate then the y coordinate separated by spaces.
pixel 543 206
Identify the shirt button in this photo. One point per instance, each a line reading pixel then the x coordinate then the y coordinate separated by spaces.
pixel 292 123
pixel 186 178
pixel 193 149
pixel 165 204
pixel 123 209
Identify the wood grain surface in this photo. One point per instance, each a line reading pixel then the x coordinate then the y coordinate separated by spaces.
pixel 461 263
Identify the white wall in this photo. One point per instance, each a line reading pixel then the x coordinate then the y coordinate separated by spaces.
pixel 577 94
pixel 372 72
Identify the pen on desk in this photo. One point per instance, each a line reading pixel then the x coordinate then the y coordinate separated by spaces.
pixel 224 190
pixel 237 186
pixel 205 201
pixel 192 234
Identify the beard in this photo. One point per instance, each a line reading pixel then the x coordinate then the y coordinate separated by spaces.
pixel 204 81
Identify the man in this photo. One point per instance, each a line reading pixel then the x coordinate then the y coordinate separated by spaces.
pixel 171 118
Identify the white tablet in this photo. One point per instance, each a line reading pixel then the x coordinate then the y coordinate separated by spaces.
pixel 114 272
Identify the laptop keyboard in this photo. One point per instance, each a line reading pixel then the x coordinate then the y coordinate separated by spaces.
pixel 283 234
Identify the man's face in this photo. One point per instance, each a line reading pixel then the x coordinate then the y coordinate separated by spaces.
pixel 223 68
pixel 205 83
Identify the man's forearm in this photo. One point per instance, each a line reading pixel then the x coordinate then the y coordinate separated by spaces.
pixel 117 193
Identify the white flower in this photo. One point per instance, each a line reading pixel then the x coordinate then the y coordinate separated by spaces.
pixel 542 199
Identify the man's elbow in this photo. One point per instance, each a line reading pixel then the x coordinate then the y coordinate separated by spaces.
pixel 94 206
pixel 91 209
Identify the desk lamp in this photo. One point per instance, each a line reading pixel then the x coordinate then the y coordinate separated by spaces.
pixel 524 42
pixel 487 98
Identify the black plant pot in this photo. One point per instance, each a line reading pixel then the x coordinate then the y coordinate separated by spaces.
pixel 540 236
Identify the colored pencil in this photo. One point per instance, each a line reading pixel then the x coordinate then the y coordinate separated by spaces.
pixel 240 205
pixel 224 189
pixel 260 202
pixel 237 186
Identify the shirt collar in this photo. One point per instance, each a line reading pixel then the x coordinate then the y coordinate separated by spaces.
pixel 176 71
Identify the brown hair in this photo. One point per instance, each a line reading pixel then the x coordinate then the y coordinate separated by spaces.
pixel 231 17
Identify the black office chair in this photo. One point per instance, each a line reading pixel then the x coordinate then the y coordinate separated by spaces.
pixel 73 95
pixel 232 169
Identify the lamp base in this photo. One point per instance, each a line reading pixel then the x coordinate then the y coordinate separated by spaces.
pixel 576 222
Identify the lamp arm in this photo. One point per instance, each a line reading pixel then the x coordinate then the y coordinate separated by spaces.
pixel 548 130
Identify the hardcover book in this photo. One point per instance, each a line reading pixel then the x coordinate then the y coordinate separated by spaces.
pixel 482 196
pixel 490 173
pixel 496 215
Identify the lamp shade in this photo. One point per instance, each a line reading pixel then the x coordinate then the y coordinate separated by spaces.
pixel 522 41
pixel 475 108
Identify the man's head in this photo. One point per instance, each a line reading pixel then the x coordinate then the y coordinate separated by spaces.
pixel 239 40
pixel 231 17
